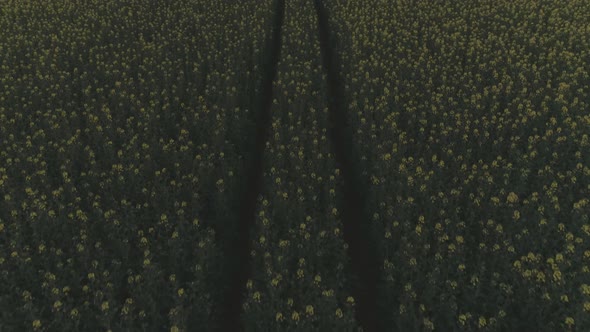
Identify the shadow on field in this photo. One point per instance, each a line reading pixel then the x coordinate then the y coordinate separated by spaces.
pixel 362 250
pixel 237 247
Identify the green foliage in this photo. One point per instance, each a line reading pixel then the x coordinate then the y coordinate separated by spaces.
pixel 471 121
pixel 122 129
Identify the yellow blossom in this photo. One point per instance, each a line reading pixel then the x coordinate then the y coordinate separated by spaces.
pixel 516 215
pixel 104 306
pixel 300 273
pixel 256 296
pixel 482 322
pixel 462 319
pixel 279 317
pixel 512 198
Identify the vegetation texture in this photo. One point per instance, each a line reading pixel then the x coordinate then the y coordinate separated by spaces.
pixel 295 165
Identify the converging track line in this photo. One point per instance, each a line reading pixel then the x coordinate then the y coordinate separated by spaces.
pixel 238 255
pixel 361 250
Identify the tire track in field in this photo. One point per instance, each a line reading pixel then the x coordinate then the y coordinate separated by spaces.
pixel 362 251
pixel 237 266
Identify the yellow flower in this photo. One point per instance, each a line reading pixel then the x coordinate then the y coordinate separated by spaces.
pixel 181 292
pixel 256 296
pixel 516 215
pixel 295 316
pixel 104 306
pixel 462 319
pixel 174 328
pixel 279 317
pixel 559 258
pixel 482 322
pixel 309 310
pixel 350 300
pixel 512 198
pixel 317 279
pixel 300 273
pixel 569 321
pixel 339 313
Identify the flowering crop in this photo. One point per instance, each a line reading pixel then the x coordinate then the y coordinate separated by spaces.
pixel 127 128
pixel 121 125
pixel 472 123
pixel 300 270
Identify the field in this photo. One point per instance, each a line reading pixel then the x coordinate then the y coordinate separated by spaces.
pixel 295 165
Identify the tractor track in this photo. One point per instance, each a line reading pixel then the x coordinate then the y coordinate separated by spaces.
pixel 238 266
pixel 363 253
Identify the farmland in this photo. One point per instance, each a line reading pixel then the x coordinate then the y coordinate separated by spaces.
pixel 294 165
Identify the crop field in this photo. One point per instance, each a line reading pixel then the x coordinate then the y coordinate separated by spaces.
pixel 295 165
